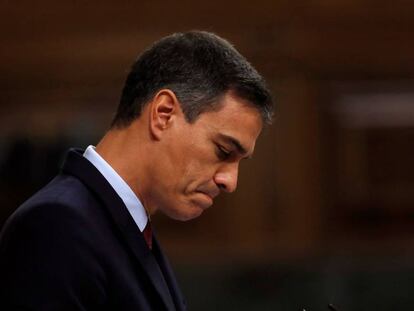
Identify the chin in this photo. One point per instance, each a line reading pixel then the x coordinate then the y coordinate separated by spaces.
pixel 185 214
pixel 189 216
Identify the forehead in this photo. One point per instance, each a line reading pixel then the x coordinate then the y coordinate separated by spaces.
pixel 235 118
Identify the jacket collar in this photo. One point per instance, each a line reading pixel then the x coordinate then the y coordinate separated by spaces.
pixel 75 164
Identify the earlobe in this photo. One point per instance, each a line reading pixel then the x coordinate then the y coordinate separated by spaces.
pixel 163 110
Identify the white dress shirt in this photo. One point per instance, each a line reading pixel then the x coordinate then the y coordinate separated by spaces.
pixel 132 203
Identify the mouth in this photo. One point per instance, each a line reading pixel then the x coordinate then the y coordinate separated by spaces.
pixel 204 199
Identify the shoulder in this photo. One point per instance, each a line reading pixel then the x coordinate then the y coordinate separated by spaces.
pixel 50 245
pixel 63 196
pixel 64 207
pixel 58 225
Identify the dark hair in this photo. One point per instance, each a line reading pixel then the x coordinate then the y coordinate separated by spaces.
pixel 199 67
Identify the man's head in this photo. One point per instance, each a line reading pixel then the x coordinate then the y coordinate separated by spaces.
pixel 191 110
pixel 199 67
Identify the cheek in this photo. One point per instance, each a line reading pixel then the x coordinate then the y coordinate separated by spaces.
pixel 174 161
pixel 189 179
pixel 190 163
pixel 198 172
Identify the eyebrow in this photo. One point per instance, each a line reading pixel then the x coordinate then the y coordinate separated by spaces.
pixel 240 148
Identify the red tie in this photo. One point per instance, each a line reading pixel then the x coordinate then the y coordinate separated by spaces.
pixel 148 234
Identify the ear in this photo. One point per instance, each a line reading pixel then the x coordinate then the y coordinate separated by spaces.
pixel 164 109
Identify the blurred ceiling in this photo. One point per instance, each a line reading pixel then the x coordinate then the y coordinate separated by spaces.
pixel 52 44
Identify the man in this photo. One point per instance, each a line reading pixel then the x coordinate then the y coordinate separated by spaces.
pixel 191 110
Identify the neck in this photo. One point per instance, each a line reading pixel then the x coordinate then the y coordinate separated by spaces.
pixel 124 150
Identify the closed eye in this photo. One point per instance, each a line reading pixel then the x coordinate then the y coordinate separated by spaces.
pixel 222 153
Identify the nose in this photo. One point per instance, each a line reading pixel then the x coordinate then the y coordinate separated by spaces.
pixel 226 177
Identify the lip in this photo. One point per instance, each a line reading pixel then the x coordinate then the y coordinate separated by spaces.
pixel 212 193
pixel 206 201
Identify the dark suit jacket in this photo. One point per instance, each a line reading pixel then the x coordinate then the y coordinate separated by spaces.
pixel 74 246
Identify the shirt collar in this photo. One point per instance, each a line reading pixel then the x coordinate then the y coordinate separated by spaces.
pixel 131 201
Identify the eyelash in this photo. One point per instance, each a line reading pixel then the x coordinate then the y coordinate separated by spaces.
pixel 222 153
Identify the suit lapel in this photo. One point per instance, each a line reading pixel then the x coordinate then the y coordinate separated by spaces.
pixel 76 165
pixel 177 296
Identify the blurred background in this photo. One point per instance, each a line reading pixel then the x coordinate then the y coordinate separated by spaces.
pixel 324 213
